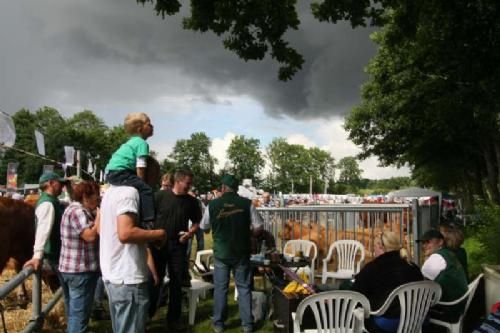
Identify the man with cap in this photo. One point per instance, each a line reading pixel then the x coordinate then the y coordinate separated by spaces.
pixel 231 218
pixel 48 213
pixel 443 267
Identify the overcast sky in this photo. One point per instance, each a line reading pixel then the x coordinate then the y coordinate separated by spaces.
pixel 115 56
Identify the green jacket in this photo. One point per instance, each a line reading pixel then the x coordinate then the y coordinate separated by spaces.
pixel 452 280
pixel 230 221
pixel 52 247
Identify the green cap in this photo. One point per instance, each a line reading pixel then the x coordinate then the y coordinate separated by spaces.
pixel 230 181
pixel 51 176
pixel 431 234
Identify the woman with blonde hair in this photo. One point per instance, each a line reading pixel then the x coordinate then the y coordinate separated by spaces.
pixel 390 269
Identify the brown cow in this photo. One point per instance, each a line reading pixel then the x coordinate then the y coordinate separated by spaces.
pixel 317 233
pixel 17 235
pixel 17 231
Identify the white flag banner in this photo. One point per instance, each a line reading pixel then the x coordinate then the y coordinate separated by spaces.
pixel 65 167
pixel 7 130
pixel 69 152
pixel 40 143
pixel 101 176
pixel 90 167
pixel 48 168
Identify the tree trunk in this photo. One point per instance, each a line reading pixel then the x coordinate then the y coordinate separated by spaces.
pixel 491 174
pixel 477 183
pixel 497 153
pixel 467 191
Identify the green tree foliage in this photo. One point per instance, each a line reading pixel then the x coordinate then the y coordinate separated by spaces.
pixel 349 173
pixel 384 186
pixel 29 168
pixel 167 166
pixel 245 159
pixel 84 130
pixel 432 99
pixel 485 226
pixel 252 29
pixel 322 167
pixel 255 28
pixel 292 167
pixel 194 154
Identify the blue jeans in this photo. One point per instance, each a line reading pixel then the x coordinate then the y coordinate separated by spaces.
pixel 242 276
pixel 99 292
pixel 128 306
pixel 78 290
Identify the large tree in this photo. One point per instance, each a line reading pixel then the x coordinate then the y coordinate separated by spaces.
pixel 194 154
pixel 245 158
pixel 322 167
pixel 349 172
pixel 432 99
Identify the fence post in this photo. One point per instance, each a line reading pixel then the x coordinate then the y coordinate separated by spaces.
pixel 37 296
pixel 416 230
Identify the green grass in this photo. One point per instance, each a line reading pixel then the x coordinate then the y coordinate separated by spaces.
pixel 202 320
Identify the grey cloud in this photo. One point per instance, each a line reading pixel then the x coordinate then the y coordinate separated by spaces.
pixel 90 52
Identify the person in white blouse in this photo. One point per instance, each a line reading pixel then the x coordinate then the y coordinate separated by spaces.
pixel 48 215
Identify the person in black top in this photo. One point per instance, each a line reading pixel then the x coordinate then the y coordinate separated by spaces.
pixel 390 269
pixel 175 207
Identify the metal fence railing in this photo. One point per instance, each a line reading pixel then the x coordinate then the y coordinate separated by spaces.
pixel 38 314
pixel 325 224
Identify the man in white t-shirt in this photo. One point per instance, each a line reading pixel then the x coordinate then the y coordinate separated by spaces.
pixel 125 259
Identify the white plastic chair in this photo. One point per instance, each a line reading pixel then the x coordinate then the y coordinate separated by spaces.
pixel 204 262
pixel 457 327
pixel 347 252
pixel 415 299
pixel 334 311
pixel 198 289
pixel 293 246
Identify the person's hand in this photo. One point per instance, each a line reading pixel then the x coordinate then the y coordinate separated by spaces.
pixel 34 262
pixel 156 280
pixel 184 236
pixel 161 240
pixel 97 221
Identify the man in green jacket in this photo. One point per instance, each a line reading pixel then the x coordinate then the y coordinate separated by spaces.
pixel 232 219
pixel 48 215
pixel 442 266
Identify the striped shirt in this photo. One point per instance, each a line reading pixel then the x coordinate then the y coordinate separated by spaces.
pixel 77 255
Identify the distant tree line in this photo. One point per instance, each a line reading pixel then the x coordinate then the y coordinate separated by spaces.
pixel 290 167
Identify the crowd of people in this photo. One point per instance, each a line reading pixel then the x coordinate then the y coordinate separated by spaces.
pixel 133 237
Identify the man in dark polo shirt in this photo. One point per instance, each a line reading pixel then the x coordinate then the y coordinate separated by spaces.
pixel 174 209
pixel 231 218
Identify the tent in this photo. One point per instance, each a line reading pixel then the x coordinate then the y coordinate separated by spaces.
pixel 415 192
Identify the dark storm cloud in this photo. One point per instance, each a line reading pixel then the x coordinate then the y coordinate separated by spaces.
pixel 99 53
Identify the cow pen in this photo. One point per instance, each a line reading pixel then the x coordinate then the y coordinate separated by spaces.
pixel 362 222
pixel 38 314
